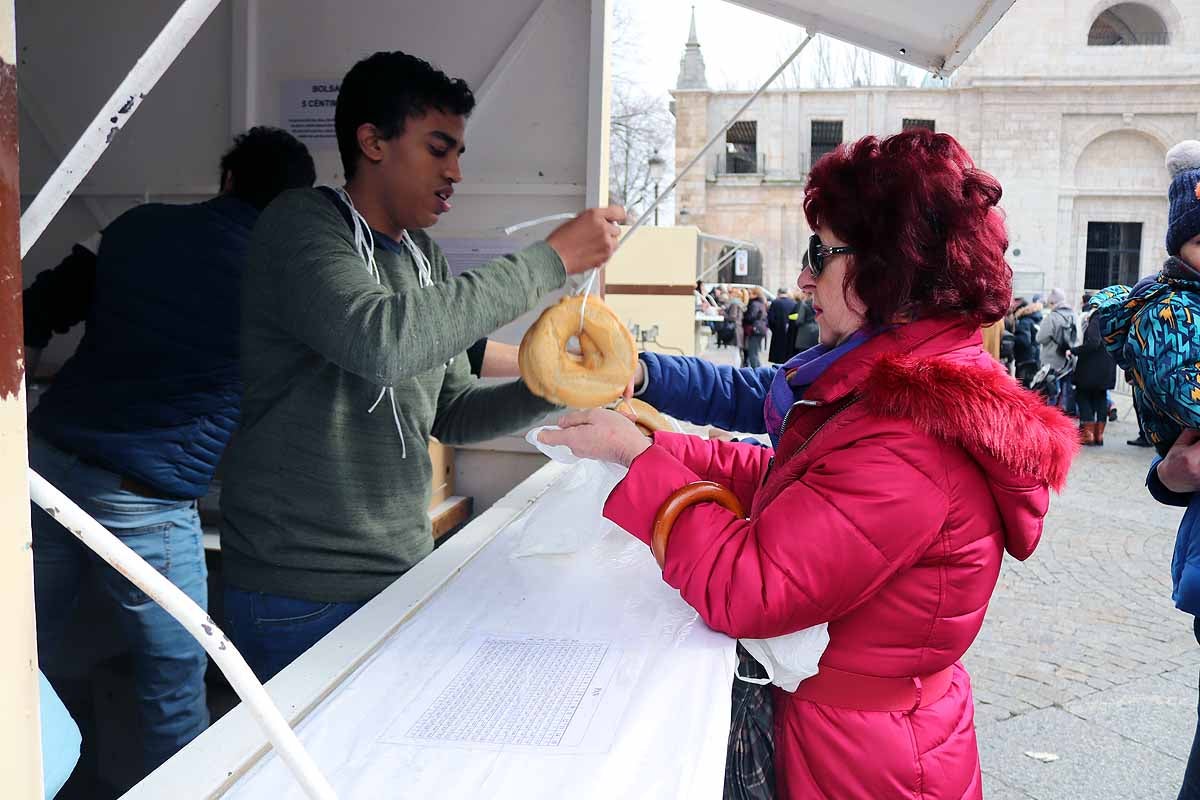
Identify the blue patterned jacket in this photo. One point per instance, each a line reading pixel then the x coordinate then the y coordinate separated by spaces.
pixel 1153 332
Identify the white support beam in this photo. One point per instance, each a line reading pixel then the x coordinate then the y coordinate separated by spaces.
pixel 243 106
pixel 195 621
pixel 112 116
pixel 599 103
pixel 511 53
pixel 20 736
pixel 522 189
pixel 716 137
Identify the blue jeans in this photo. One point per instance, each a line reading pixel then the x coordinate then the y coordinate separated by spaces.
pixel 1068 396
pixel 271 631
pixel 1191 775
pixel 168 663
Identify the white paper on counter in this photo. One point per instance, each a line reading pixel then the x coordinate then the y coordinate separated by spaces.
pixel 668 742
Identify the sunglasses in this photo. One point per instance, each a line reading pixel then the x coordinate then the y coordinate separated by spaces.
pixel 814 257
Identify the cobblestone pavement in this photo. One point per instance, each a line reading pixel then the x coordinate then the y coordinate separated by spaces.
pixel 1082 654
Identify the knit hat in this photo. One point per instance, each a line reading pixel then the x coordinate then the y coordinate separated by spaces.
pixel 1183 221
pixel 1057 297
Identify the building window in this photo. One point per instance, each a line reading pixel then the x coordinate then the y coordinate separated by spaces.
pixel 1128 24
pixel 826 136
pixel 910 124
pixel 1114 254
pixel 741 156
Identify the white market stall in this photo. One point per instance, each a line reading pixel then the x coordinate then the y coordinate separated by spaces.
pixel 537 146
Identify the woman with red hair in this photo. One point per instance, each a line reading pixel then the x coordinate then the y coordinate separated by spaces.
pixel 905 463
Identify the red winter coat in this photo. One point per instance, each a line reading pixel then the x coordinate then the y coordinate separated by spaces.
pixel 886 514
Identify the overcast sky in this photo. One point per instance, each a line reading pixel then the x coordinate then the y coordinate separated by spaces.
pixel 741 48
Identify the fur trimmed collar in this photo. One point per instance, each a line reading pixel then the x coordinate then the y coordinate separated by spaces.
pixel 982 409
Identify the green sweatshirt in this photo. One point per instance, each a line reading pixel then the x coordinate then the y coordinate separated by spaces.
pixel 317 500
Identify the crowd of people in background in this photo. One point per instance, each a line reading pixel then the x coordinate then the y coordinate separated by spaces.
pixel 1053 350
pixel 1046 345
pixel 753 322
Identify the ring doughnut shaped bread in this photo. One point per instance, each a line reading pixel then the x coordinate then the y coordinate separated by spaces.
pixel 680 500
pixel 647 418
pixel 596 376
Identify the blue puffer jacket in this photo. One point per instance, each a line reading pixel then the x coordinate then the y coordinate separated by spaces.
pixel 697 391
pixel 153 392
pixel 1185 563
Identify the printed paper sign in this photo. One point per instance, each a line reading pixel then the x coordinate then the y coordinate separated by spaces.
pixel 306 110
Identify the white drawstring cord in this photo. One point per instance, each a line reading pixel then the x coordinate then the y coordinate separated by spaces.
pixel 587 290
pixel 364 242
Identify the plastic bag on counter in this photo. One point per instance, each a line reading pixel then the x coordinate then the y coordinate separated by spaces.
pixel 571 515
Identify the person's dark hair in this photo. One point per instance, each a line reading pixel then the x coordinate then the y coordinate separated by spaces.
pixel 264 162
pixel 386 90
pixel 922 219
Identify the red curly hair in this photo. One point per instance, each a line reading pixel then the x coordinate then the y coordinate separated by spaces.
pixel 927 236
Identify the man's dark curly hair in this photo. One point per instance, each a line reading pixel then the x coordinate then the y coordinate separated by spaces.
pixel 386 90
pixel 265 161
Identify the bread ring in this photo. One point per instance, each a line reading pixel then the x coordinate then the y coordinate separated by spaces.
pixel 647 418
pixel 680 500
pixel 594 378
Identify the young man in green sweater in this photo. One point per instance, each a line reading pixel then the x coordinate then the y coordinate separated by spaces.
pixel 354 335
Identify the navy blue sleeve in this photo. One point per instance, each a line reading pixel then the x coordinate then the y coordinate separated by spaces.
pixel 59 298
pixel 692 389
pixel 1161 493
pixel 475 356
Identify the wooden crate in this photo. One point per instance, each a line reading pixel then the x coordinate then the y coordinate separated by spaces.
pixel 442 478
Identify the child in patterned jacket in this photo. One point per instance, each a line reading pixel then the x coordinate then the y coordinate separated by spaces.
pixel 1153 330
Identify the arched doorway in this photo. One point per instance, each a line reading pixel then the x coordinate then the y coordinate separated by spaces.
pixel 1120 209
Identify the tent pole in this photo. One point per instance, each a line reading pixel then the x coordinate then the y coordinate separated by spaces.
pixel 112 117
pixel 20 739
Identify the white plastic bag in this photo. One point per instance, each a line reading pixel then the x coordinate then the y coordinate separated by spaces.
pixel 788 659
pixel 571 516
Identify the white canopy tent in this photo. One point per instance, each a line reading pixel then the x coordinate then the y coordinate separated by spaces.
pixel 936 37
pixel 538 145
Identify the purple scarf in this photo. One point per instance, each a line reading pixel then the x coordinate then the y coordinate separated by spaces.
pixel 794 378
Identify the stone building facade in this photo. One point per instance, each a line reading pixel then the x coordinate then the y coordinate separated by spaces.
pixel 1072 105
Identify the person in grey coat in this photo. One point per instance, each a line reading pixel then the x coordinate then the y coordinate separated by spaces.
pixel 1056 335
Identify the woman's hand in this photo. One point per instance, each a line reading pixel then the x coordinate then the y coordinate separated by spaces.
pixel 600 434
pixel 717 434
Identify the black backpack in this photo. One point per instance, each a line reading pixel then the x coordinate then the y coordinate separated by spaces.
pixel 1008 346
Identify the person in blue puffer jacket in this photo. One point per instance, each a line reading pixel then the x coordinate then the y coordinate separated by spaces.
pixel 1153 331
pixel 136 420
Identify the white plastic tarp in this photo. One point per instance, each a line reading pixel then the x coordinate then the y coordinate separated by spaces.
pixel 934 35
pixel 660 732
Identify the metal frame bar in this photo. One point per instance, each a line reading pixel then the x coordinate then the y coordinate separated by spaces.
pixel 710 237
pixel 244 66
pixel 112 116
pixel 599 104
pixel 649 212
pixel 197 623
pixel 57 146
pixel 511 53
pixel 721 261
